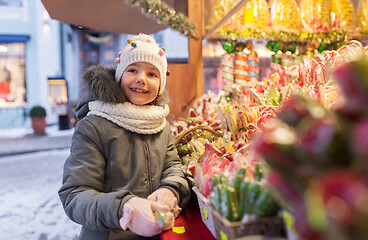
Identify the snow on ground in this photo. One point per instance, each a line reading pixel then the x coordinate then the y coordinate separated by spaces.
pixel 29 204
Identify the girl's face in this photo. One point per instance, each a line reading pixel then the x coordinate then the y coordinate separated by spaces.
pixel 140 83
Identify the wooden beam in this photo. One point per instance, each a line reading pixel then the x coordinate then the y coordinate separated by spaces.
pixel 195 14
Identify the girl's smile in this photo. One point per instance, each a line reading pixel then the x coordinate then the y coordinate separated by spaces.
pixel 140 83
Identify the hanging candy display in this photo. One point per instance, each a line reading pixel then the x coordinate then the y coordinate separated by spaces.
pixel 362 17
pixel 315 15
pixel 342 15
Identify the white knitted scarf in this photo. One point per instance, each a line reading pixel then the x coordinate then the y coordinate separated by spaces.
pixel 143 119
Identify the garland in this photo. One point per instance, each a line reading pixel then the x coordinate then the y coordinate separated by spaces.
pixel 272 35
pixel 165 14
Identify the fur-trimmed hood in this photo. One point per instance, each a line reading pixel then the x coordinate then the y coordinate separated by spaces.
pixel 100 85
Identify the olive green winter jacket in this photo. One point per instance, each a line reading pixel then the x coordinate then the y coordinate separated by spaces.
pixel 108 165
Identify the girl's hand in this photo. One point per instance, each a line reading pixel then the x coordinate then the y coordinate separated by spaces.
pixel 139 216
pixel 166 197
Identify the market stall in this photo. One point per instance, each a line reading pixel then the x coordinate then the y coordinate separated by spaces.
pixel 288 138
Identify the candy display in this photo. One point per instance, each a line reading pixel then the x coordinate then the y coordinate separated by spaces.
pixel 342 15
pixel 227 71
pixel 315 15
pixel 255 15
pixel 237 147
pixel 284 15
pixel 253 63
pixel 362 17
pixel 318 165
pixel 220 9
pixel 241 67
pixel 322 21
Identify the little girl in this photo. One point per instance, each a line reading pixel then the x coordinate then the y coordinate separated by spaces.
pixel 123 169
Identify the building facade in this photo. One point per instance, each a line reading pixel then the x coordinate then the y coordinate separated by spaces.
pixel 42 60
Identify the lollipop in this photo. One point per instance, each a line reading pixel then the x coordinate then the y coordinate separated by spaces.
pixel 366 49
pixel 350 50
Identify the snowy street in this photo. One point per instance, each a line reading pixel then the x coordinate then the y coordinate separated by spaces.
pixel 29 204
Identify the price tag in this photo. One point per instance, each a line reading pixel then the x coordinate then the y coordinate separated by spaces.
pixel 223 236
pixel 179 230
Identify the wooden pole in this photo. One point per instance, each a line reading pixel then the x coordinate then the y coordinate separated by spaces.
pixel 195 14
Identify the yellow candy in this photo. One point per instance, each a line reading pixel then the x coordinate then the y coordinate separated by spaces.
pixel 285 15
pixel 129 41
pixel 362 17
pixel 342 15
pixel 220 9
pixel 315 15
pixel 255 15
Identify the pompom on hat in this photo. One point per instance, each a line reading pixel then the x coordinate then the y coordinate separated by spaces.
pixel 143 48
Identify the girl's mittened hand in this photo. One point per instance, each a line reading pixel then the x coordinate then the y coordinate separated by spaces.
pixel 138 216
pixel 166 197
pixel 174 208
pixel 163 196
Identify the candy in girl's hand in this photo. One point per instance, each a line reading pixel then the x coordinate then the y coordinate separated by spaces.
pixel 165 219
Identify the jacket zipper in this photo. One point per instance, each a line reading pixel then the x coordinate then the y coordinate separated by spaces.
pixel 148 165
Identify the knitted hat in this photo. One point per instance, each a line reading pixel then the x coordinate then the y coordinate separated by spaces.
pixel 143 48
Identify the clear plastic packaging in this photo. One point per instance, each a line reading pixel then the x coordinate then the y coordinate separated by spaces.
pixel 220 9
pixel 315 15
pixel 255 15
pixel 342 15
pixel 284 15
pixel 362 17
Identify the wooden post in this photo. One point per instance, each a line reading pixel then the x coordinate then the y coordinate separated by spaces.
pixel 195 14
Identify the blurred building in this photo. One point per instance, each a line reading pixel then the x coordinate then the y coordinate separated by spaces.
pixel 41 61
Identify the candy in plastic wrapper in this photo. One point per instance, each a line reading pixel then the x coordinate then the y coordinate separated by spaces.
pixel 342 15
pixel 255 15
pixel 284 15
pixel 315 15
pixel 362 17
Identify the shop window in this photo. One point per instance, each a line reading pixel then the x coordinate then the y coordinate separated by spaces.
pixel 58 91
pixel 12 73
pixel 13 3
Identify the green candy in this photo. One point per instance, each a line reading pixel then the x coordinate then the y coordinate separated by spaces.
pixel 228 47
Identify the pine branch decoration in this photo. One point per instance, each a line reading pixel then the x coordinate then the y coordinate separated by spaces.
pixel 165 15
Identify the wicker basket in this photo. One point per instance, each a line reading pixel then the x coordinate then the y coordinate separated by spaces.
pixel 192 129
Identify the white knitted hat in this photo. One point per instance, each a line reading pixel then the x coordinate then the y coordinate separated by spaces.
pixel 143 48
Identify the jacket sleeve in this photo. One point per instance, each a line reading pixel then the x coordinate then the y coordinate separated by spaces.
pixel 173 176
pixel 82 191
